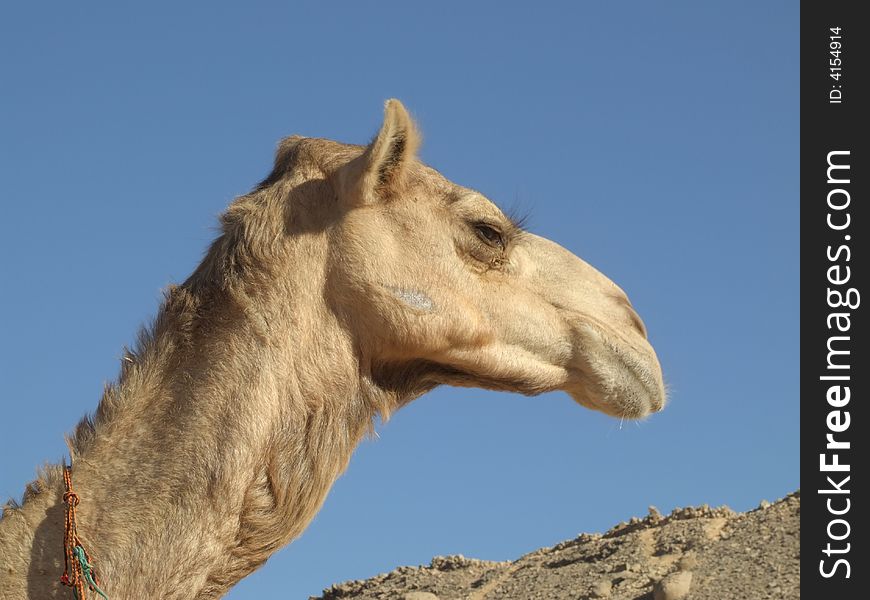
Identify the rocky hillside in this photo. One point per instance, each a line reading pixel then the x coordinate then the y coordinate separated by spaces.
pixel 692 553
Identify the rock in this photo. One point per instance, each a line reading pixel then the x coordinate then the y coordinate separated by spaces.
pixel 621 568
pixel 673 587
pixel 601 589
pixel 419 596
pixel 448 563
pixel 688 562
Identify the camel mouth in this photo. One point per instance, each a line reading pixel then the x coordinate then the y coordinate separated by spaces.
pixel 618 377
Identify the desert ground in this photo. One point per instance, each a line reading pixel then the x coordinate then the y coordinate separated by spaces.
pixel 692 553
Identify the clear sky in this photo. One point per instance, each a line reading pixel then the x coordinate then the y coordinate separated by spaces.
pixel 659 141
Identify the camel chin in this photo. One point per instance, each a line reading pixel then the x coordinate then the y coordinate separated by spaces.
pixel 618 378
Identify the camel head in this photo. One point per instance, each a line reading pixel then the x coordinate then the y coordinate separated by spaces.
pixel 436 285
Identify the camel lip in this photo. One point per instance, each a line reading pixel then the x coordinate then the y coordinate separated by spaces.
pixel 617 377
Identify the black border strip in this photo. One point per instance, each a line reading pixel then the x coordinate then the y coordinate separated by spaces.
pixel 835 225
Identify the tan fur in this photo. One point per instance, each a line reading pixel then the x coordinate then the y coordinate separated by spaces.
pixel 348 283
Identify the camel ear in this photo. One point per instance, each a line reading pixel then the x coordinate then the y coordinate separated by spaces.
pixel 382 168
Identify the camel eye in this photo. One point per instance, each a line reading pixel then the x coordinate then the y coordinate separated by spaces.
pixel 490 235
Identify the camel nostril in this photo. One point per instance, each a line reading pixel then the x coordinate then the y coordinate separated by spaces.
pixel 637 321
pixel 633 317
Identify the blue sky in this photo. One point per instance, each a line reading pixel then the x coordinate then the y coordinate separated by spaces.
pixel 658 141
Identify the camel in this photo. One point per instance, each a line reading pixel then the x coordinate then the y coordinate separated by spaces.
pixel 349 282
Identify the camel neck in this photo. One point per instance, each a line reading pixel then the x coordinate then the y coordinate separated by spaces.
pixel 212 452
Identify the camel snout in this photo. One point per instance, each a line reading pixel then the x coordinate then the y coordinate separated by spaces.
pixel 657 393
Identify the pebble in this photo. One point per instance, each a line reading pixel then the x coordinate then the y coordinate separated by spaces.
pixel 673 587
pixel 688 562
pixel 602 589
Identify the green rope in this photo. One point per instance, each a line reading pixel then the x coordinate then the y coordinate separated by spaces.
pixel 87 571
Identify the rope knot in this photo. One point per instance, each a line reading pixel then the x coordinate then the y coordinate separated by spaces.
pixel 78 573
